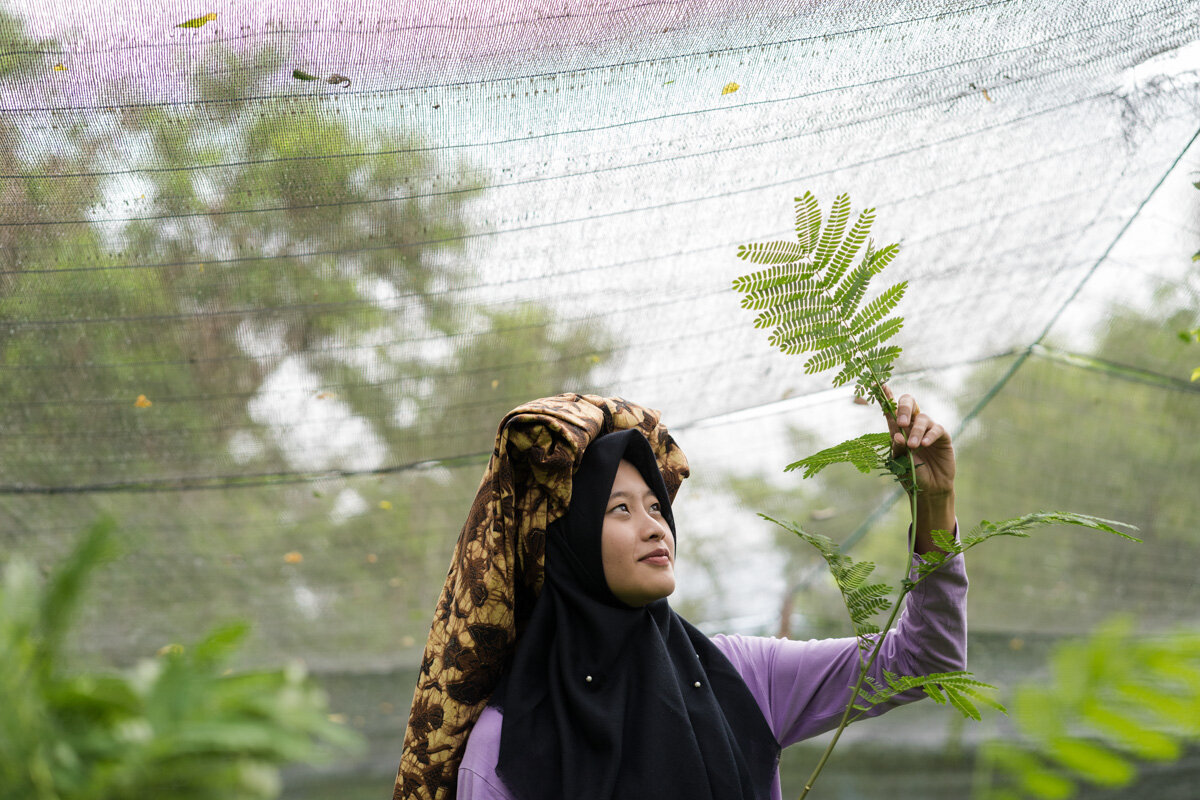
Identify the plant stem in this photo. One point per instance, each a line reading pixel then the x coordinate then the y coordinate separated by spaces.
pixel 845 720
pixel 866 668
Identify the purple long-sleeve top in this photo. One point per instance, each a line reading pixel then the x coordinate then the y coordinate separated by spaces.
pixel 801 687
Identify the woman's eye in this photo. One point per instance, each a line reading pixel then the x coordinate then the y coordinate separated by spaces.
pixel 619 507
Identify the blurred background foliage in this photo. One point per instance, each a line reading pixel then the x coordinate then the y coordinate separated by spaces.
pixel 181 724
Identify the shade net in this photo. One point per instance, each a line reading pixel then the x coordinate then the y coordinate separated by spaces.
pixel 270 275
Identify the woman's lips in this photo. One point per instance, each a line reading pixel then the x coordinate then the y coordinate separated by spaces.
pixel 660 558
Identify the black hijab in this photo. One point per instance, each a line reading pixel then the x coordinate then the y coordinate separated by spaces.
pixel 641 727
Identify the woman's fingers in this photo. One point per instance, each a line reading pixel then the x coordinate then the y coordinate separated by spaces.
pixel 932 433
pixel 906 409
pixel 910 427
pixel 923 433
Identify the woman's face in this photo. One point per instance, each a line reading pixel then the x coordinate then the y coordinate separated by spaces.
pixel 636 545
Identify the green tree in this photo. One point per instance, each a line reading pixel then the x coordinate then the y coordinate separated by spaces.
pixel 208 257
pixel 1110 432
pixel 243 241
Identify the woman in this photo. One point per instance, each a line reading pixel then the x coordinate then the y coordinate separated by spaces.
pixel 610 694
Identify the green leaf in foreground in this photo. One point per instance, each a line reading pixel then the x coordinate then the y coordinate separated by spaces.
pixel 1111 700
pixel 182 725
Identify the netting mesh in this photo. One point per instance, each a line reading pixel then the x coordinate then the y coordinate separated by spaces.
pixel 269 281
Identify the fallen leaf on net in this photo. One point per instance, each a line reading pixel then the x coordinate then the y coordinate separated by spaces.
pixel 198 21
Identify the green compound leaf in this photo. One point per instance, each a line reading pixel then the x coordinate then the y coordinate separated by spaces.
pixel 861 601
pixel 944 540
pixel 835 227
pixel 958 689
pixel 773 252
pixel 877 309
pixel 1020 526
pixel 878 259
pixel 854 576
pixel 868 452
pixel 778 297
pixel 811 297
pixel 828 352
pixel 796 311
pixel 881 332
pixel 808 221
pixel 849 247
pixel 766 279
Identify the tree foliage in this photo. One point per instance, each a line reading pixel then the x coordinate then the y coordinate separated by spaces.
pixel 190 290
pixel 234 247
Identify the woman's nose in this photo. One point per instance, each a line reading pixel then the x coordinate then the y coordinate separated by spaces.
pixel 655 529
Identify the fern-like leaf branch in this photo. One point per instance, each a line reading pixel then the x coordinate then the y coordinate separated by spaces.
pixel 868 452
pixel 773 252
pixel 812 297
pixel 1017 526
pixel 960 689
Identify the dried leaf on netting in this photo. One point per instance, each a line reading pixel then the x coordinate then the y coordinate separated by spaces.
pixel 198 21
pixel 730 88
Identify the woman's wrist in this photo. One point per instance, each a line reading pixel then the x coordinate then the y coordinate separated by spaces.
pixel 935 512
pixel 932 500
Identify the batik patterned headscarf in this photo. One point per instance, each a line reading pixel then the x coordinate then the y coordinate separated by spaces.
pixel 497 571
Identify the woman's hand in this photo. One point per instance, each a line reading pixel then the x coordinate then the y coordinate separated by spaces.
pixel 929 442
pixel 933 454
